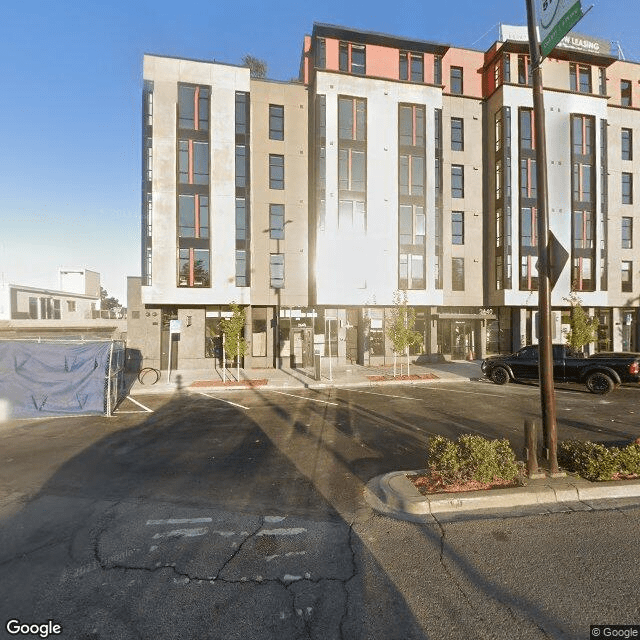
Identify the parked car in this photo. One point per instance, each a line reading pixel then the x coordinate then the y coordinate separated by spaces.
pixel 601 372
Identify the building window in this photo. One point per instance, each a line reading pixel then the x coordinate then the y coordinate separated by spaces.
pixel 193 267
pixel 506 66
pixel 457 134
pixel 580 78
pixel 241 166
pixel 457 274
pixel 321 53
pixel 412 225
pixel 581 182
pixel 351 119
pixel 411 175
pixel 582 134
pixel 457 181
pixel 437 69
pixel 528 226
pixel 456 80
pixel 276 221
pixel 276 171
pixel 457 227
pixel 625 93
pixel 411 271
pixel 241 268
pixel 242 113
pixel 627 188
pixel 241 219
pixel 411 126
pixel 524 70
pixel 602 81
pixel 71 305
pixel 351 169
pixel 411 66
pixel 352 58
pixel 276 270
pixel 276 122
pixel 193 108
pixel 627 276
pixel 149 158
pixel 526 129
pixel 193 162
pixel 627 232
pixel 627 144
pixel 33 308
pixel 193 216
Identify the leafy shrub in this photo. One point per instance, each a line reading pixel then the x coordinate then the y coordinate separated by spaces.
pixel 472 458
pixel 596 462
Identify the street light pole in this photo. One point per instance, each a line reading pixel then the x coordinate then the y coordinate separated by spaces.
pixel 547 394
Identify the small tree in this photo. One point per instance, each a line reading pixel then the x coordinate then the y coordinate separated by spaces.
pixel 233 343
pixel 108 302
pixel 257 67
pixel 400 328
pixel 583 329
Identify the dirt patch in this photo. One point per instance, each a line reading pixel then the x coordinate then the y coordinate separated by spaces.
pixel 229 383
pixel 430 483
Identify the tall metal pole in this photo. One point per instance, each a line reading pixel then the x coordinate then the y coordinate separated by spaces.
pixel 547 394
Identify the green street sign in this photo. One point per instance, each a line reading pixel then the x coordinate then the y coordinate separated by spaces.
pixel 557 18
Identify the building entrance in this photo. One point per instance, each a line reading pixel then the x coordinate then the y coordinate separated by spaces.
pixel 302 347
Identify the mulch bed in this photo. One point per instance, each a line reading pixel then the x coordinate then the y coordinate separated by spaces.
pixel 428 484
pixel 229 383
pixel 413 376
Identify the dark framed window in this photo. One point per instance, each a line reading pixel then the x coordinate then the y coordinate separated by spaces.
pixel 352 119
pixel 411 125
pixel 241 165
pixel 193 107
pixel 627 144
pixel 580 78
pixel 602 81
pixel 411 271
pixel 437 69
pixel 241 219
pixel 33 308
pixel 412 171
pixel 411 66
pixel 526 129
pixel 71 305
pixel 242 113
pixel 193 216
pixel 457 227
pixel 524 70
pixel 276 171
pixel 457 274
pixel 412 225
pixel 627 188
pixel 457 181
pixel 193 162
pixel 276 221
pixel 456 80
pixel 242 279
pixel 627 232
pixel 321 53
pixel 457 134
pixel 276 122
pixel 276 270
pixel 627 276
pixel 193 267
pixel 352 58
pixel 625 93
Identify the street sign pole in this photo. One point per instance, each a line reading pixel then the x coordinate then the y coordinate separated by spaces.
pixel 547 394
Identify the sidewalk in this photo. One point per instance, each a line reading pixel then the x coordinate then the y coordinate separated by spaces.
pixel 352 375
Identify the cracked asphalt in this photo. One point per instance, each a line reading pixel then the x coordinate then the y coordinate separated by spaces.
pixel 204 519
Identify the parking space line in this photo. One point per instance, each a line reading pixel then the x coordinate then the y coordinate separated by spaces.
pixel 139 404
pixel 202 393
pixel 473 393
pixel 293 395
pixel 374 393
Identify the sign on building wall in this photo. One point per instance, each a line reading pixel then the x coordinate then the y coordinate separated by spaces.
pixel 556 18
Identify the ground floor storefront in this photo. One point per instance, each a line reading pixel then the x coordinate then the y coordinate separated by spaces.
pixel 190 337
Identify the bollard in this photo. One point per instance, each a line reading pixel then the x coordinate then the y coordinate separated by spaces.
pixel 531 448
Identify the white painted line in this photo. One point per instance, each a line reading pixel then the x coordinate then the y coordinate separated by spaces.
pixel 139 404
pixel 305 398
pixel 375 393
pixel 281 532
pixel 473 393
pixel 274 518
pixel 202 393
pixel 121 412
pixel 71 415
pixel 182 533
pixel 180 521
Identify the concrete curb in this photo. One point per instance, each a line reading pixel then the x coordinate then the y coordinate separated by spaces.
pixel 171 387
pixel 394 494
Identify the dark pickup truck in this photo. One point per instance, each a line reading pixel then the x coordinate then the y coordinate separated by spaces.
pixel 601 372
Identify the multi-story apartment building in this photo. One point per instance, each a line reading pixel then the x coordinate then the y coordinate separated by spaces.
pixel 392 164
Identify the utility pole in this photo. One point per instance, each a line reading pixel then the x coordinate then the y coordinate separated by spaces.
pixel 547 393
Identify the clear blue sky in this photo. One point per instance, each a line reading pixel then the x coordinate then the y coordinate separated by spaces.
pixel 70 121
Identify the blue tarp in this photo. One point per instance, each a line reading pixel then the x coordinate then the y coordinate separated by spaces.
pixel 53 378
